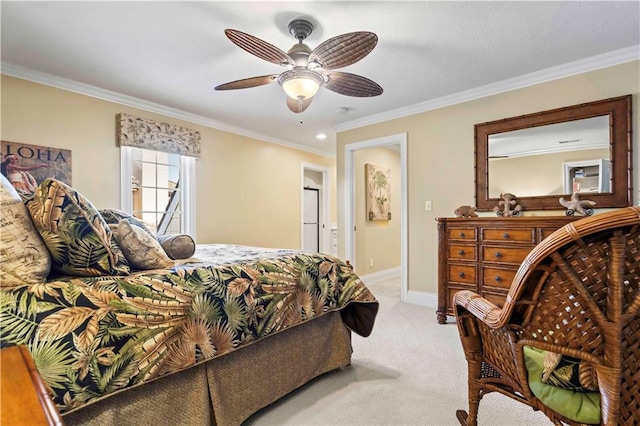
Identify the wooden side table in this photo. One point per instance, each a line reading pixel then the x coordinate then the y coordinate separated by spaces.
pixel 24 399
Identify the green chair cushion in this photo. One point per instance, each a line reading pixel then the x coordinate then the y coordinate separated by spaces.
pixel 583 407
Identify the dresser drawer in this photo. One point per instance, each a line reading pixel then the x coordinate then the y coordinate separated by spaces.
pixel 508 235
pixel 462 252
pixel 498 277
pixel 451 291
pixel 545 232
pixel 464 234
pixel 508 255
pixel 462 273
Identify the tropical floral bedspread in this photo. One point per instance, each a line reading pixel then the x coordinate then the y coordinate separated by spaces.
pixel 92 336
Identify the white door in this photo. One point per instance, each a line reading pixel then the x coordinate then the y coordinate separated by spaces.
pixel 311 220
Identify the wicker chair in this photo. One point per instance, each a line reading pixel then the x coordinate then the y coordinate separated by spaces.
pixel 578 294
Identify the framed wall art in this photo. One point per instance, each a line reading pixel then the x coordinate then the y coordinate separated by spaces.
pixel 378 192
pixel 26 166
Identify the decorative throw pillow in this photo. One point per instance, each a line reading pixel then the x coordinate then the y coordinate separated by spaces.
pixel 569 373
pixel 113 217
pixel 581 407
pixel 77 237
pixel 141 249
pixel 24 259
pixel 177 246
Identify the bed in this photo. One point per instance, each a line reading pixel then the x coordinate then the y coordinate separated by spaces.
pixel 207 340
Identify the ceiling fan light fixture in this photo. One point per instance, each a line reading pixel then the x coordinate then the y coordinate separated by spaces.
pixel 300 84
pixel 309 70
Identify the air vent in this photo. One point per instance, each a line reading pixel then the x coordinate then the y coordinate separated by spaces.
pixel 570 141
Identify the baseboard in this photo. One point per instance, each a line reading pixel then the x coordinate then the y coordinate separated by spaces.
pixel 422 298
pixel 376 277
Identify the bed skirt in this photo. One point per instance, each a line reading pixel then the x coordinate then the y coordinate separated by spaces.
pixel 226 391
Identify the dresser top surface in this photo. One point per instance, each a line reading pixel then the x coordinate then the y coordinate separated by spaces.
pixel 508 220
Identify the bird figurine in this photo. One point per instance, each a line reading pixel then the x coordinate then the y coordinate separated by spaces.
pixel 575 205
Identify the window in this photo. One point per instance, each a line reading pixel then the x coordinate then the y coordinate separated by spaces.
pixel 158 188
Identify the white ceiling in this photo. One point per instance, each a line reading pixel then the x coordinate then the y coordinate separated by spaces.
pixel 575 135
pixel 168 56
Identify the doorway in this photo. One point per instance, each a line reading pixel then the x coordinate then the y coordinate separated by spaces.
pixel 350 194
pixel 311 220
pixel 315 179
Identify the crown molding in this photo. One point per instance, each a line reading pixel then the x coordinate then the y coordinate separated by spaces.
pixel 47 79
pixel 593 63
pixel 605 60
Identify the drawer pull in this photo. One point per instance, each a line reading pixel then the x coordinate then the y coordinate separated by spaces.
pixel 461 274
pixel 498 278
pixel 461 252
pixel 462 235
pixel 505 236
pixel 498 255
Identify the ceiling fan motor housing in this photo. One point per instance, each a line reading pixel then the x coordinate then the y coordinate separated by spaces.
pixel 300 29
pixel 300 54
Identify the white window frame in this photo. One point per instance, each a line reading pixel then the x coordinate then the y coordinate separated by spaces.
pixel 187 185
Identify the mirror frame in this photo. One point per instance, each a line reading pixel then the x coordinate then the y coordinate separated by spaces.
pixel 619 112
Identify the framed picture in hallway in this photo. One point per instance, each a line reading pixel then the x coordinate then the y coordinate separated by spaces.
pixel 378 192
pixel 26 166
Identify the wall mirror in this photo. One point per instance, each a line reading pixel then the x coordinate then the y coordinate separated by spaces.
pixel 543 156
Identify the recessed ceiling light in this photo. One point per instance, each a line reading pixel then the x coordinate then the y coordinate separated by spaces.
pixel 321 136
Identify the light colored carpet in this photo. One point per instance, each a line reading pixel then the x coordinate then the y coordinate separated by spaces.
pixel 410 371
pixel 389 287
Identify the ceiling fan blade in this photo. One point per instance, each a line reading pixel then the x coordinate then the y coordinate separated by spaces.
pixel 343 50
pixel 298 106
pixel 352 84
pixel 259 48
pixel 248 82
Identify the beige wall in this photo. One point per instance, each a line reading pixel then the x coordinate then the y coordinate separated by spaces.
pixel 377 240
pixel 440 152
pixel 248 191
pixel 535 174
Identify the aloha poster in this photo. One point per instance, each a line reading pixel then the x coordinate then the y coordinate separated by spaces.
pixel 26 166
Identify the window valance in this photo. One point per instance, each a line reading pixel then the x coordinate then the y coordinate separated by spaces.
pixel 149 134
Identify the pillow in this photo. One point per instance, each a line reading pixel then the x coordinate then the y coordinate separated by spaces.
pixel 177 246
pixel 581 407
pixel 113 217
pixel 141 249
pixel 24 259
pixel 77 237
pixel 569 373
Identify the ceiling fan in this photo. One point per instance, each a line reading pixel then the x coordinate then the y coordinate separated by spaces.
pixel 308 70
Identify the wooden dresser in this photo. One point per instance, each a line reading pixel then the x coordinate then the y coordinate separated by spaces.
pixel 23 395
pixel 483 254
